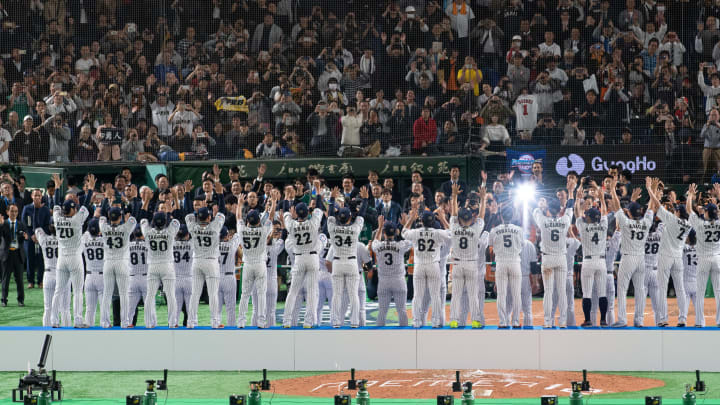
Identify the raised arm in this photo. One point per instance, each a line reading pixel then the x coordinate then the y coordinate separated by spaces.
pixel 578 197
pixel 692 190
pixel 650 186
pixel 613 194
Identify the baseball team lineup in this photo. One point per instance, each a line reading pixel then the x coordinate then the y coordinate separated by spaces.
pixel 190 242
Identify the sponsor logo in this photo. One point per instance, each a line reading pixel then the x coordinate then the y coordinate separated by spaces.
pixel 524 163
pixel 640 164
pixel 565 165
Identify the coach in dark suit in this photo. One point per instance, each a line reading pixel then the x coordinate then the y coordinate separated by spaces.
pixel 455 179
pixel 389 208
pixel 35 215
pixel 12 235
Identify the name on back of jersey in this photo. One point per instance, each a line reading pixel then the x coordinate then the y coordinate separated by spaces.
pixel 554 223
pixel 640 226
pixel 344 230
pixel 507 230
pixel 595 228
pixel 464 232
pixel 96 242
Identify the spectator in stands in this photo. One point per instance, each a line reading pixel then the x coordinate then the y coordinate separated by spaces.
pixel 5 141
pixel 86 147
pixel 401 130
pixel 27 146
pixel 710 135
pixel 574 136
pixel 268 148
pixel 351 124
pixel 59 138
pixel 323 139
pixel 425 134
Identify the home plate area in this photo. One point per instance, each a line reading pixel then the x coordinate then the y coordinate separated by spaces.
pixel 428 384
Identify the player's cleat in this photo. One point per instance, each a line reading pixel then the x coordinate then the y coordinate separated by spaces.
pixel 563 326
pixel 221 326
pixel 516 327
pixel 336 326
pixel 241 326
pixel 681 325
pixel 354 326
pixel 603 324
pixel 502 327
pixel 619 325
pixel 637 325
pixel 477 325
pixel 21 304
pixel 586 324
pixel 309 326
pixel 662 324
pixel 453 324
pixel 699 326
pixel 40 285
pixel 80 326
pixel 56 326
pixel 286 326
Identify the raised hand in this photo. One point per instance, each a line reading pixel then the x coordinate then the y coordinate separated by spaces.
pixel 188 185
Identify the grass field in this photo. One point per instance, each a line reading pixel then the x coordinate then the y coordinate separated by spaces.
pixel 217 385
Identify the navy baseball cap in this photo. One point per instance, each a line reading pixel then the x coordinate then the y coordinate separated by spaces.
pixel 253 217
pixel 389 228
pixel 115 214
pixel 94 227
pixel 635 209
pixel 507 214
pixel 712 211
pixel 692 237
pixel 344 215
pixel 159 220
pixel 682 210
pixel 428 219
pixel 183 231
pixel 301 209
pixel 223 232
pixel 593 214
pixel 137 233
pixel 68 206
pixel 203 214
pixel 554 206
pixel 465 214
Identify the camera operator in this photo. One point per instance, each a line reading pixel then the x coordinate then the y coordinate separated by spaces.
pixel 61 103
pixel 710 135
pixel 59 138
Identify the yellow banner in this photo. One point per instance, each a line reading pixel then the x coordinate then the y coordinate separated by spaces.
pixel 238 103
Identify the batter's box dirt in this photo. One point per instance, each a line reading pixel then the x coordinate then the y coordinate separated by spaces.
pixel 428 384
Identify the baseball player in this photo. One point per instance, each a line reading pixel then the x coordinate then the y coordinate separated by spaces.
pixel 160 238
pixel 182 253
pixel 635 230
pixel 325 290
pixel 690 271
pixel 465 232
pixel 227 290
pixel 94 255
pixel 138 273
pixel 304 232
pixel 670 262
pixel 426 247
pixel 592 230
pixel 611 250
pixel 68 222
pixel 652 247
pixel 117 240
pixel 363 258
pixel 507 243
pixel 708 253
pixel 323 263
pixel 343 235
pixel 528 255
pixel 254 237
pixel 482 268
pixel 205 234
pixel 49 246
pixel 553 245
pixel 573 244
pixel 390 254
pixel 276 245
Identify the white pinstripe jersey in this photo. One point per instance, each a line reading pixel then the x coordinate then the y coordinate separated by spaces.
pixel 553 232
pixel 527 256
pixel 390 257
pixel 708 236
pixel 69 231
pixel 254 241
pixel 652 247
pixel 426 243
pixel 674 233
pixel 305 233
pixel 482 247
pixel 117 238
pixel 362 255
pixel 593 236
pixel 507 242
pixel 345 238
pixel 634 232
pixel 572 247
pixel 612 248
pixel 160 241
pixel 228 254
pixel 206 238
pixel 323 248
pixel 182 255
pixel 138 257
pixel 93 252
pixel 690 268
pixel 274 249
pixel 49 246
pixel 465 239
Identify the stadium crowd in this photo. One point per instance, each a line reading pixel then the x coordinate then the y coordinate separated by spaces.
pixel 234 79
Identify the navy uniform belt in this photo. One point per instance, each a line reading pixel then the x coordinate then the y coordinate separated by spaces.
pixel 346 258
pixel 144 274
pixel 312 253
pixel 594 257
pixel 90 272
pixel 230 273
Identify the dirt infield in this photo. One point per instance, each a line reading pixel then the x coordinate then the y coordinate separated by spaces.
pixel 428 384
